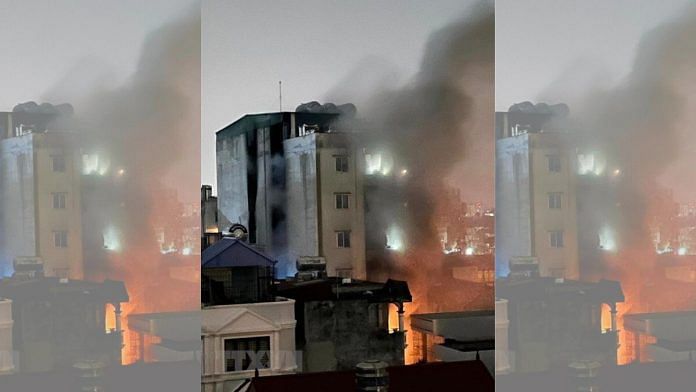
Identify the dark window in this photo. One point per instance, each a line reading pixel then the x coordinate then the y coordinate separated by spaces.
pixel 342 164
pixel 247 353
pixel 342 201
pixel 556 238
pixel 59 200
pixel 58 163
pixel 343 239
pixel 60 239
pixel 555 200
pixel 554 163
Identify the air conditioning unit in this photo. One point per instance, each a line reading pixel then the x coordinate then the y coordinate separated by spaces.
pixel 309 268
pixel 29 266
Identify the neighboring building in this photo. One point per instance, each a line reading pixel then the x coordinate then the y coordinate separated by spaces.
pixel 244 326
pixel 295 182
pixel 166 336
pixel 555 322
pixel 661 337
pixel 536 210
pixel 210 227
pixel 40 182
pixel 60 322
pixel 456 336
pixel 342 322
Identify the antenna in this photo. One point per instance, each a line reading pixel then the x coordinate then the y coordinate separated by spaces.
pixel 280 94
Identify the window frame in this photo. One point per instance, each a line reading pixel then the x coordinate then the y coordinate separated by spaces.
pixel 342 164
pixel 342 200
pixel 61 167
pixel 556 239
pixel 60 239
pixel 59 200
pixel 555 200
pixel 551 165
pixel 246 368
pixel 343 239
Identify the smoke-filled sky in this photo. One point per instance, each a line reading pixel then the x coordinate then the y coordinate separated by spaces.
pixel 321 50
pixel 551 48
pixel 600 48
pixel 68 51
pixel 46 43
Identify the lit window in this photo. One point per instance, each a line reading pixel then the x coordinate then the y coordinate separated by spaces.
pixel 554 163
pixel 556 238
pixel 555 200
pixel 247 354
pixel 60 239
pixel 59 200
pixel 342 201
pixel 58 163
pixel 343 239
pixel 342 164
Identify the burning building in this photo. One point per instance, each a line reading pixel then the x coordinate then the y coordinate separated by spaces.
pixel 295 182
pixel 40 181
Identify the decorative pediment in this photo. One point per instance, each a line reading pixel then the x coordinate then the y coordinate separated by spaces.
pixel 237 321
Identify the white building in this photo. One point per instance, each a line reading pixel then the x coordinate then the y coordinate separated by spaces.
pixel 238 339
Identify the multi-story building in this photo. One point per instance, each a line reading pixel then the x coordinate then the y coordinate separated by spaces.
pixel 536 204
pixel 40 202
pixel 295 182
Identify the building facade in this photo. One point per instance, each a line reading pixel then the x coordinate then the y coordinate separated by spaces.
pixel 40 181
pixel 536 204
pixel 295 182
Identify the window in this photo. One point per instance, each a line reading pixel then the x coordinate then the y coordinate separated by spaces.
pixel 556 238
pixel 58 163
pixel 343 239
pixel 342 163
pixel 555 200
pixel 554 162
pixel 59 200
pixel 247 353
pixel 60 239
pixel 342 201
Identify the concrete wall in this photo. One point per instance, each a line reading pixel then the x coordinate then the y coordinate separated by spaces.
pixel 231 155
pixel 340 334
pixel 302 203
pixel 513 226
pixel 17 205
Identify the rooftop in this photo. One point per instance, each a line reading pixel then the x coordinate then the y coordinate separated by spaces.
pixel 338 289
